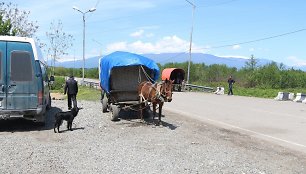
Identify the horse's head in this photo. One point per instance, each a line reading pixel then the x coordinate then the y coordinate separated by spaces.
pixel 166 90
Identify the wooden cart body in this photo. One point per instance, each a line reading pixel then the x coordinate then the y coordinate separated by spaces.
pixel 120 74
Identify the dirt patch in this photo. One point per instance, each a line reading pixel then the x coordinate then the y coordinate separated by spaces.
pixel 57 96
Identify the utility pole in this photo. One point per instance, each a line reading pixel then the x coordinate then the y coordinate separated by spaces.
pixel 190 45
pixel 83 13
pixel 99 44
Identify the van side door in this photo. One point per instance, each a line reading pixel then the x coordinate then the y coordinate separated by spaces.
pixel 2 74
pixel 21 87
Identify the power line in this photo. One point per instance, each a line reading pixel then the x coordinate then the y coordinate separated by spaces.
pixel 89 15
pixel 256 40
pixel 151 13
pixel 217 4
pixel 175 56
pixel 156 11
pixel 97 3
pixel 240 43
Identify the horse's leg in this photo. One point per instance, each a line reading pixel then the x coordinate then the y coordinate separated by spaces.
pixel 140 110
pixel 160 112
pixel 154 110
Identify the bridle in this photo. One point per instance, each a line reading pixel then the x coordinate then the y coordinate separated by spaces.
pixel 163 92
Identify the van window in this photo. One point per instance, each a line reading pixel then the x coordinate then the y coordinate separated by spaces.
pixel 21 66
pixel 43 72
pixel 0 65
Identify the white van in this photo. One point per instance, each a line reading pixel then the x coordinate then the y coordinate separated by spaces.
pixel 24 84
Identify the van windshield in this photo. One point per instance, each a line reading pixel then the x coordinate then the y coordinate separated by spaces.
pixel 21 66
pixel 0 65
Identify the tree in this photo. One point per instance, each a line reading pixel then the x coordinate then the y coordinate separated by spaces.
pixel 269 76
pixel 251 64
pixel 250 69
pixel 20 25
pixel 59 41
pixel 6 27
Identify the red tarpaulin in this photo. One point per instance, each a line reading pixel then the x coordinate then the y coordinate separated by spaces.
pixel 176 74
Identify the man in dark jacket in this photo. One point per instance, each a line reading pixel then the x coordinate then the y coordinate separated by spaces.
pixel 71 88
pixel 230 82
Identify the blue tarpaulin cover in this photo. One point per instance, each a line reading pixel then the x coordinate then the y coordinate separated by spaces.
pixel 120 59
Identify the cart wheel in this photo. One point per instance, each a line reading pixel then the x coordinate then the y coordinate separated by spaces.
pixel 114 112
pixel 104 104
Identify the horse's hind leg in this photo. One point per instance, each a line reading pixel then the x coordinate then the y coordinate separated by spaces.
pixel 160 112
pixel 154 111
pixel 140 110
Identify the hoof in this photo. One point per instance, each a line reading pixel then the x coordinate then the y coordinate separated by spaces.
pixel 157 124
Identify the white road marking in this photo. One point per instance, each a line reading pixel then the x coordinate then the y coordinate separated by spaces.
pixel 235 127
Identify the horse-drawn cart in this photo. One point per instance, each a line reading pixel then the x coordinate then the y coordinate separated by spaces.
pixel 120 73
pixel 177 75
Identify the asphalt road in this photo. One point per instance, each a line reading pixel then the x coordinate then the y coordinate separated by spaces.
pixel 279 122
pixel 97 145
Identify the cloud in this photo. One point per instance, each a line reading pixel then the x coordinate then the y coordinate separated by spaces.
pixel 296 61
pixel 138 33
pixel 168 44
pixel 141 33
pixel 236 47
pixel 252 49
pixel 149 35
pixel 131 5
pixel 233 56
pixel 117 46
pixel 150 27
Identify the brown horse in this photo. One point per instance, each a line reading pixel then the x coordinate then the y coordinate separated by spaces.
pixel 156 93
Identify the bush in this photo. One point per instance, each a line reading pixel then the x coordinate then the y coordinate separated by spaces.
pixel 58 84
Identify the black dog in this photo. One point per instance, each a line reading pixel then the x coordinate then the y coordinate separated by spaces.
pixel 68 116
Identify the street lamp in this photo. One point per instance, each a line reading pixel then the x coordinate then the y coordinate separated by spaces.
pixel 83 13
pixel 188 72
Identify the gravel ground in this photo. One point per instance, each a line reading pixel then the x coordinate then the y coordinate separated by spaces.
pixel 98 145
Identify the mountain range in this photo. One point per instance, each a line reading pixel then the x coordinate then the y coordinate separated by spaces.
pixel 163 58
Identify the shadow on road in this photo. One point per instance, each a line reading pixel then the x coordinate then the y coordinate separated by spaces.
pixel 22 125
pixel 73 129
pixel 130 115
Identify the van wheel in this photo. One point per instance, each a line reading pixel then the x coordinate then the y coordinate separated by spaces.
pixel 41 119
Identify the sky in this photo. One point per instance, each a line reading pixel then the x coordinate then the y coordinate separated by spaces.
pixel 267 29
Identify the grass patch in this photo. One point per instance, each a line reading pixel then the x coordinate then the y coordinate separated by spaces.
pixel 263 93
pixel 260 92
pixel 86 93
pixel 256 92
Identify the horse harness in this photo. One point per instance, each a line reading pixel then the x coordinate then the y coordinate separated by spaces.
pixel 158 96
